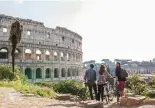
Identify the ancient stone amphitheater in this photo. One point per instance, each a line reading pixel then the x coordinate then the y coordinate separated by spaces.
pixel 44 54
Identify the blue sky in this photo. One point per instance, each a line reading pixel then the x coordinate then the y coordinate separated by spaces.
pixel 110 28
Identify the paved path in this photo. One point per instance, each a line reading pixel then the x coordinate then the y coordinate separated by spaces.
pixel 9 98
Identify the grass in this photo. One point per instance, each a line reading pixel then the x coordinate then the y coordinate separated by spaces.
pixel 19 82
pixel 66 87
pixel 29 88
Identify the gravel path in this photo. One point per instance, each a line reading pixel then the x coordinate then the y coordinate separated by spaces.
pixel 9 98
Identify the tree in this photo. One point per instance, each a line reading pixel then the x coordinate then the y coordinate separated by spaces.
pixel 15 37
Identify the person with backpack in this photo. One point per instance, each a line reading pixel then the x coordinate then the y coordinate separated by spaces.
pixel 90 80
pixel 121 76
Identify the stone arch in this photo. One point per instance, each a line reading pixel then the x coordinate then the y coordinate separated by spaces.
pixel 47 55
pixel 28 73
pixel 38 73
pixel 73 72
pixel 68 56
pixel 48 35
pixel 56 54
pixel 38 54
pixel 69 72
pixel 28 53
pixel 56 73
pixel 5 29
pixel 62 56
pixel 48 73
pixel 77 57
pixel 74 57
pixel 77 72
pixel 80 57
pixel 63 72
pixel 4 53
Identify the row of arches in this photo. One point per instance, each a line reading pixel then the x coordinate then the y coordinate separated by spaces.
pixel 4 53
pixel 48 73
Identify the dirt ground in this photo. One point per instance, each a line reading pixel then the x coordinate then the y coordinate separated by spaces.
pixel 9 98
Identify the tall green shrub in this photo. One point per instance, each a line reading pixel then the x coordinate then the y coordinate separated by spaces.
pixel 136 84
pixel 7 74
pixel 152 82
pixel 67 86
pixel 72 87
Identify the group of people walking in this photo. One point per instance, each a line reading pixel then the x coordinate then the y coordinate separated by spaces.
pixel 97 83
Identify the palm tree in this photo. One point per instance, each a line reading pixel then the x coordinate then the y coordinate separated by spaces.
pixel 15 37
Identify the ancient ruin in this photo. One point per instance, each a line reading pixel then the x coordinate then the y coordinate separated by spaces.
pixel 43 54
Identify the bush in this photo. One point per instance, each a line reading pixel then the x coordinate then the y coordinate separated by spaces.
pixel 66 86
pixel 7 74
pixel 45 84
pixel 45 92
pixel 72 87
pixel 150 94
pixel 82 93
pixel 19 81
pixel 136 84
pixel 126 90
pixel 152 82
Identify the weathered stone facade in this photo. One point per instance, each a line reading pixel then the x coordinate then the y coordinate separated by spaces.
pixel 44 54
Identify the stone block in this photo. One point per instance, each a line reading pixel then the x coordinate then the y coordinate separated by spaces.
pixel 132 100
pixel 129 94
pixel 149 101
pixel 123 101
pixel 63 97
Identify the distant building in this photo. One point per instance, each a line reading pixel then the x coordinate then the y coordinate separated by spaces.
pixel 123 61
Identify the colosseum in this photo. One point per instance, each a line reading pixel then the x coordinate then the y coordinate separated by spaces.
pixel 44 54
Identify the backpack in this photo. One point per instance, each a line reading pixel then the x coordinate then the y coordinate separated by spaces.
pixel 123 73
